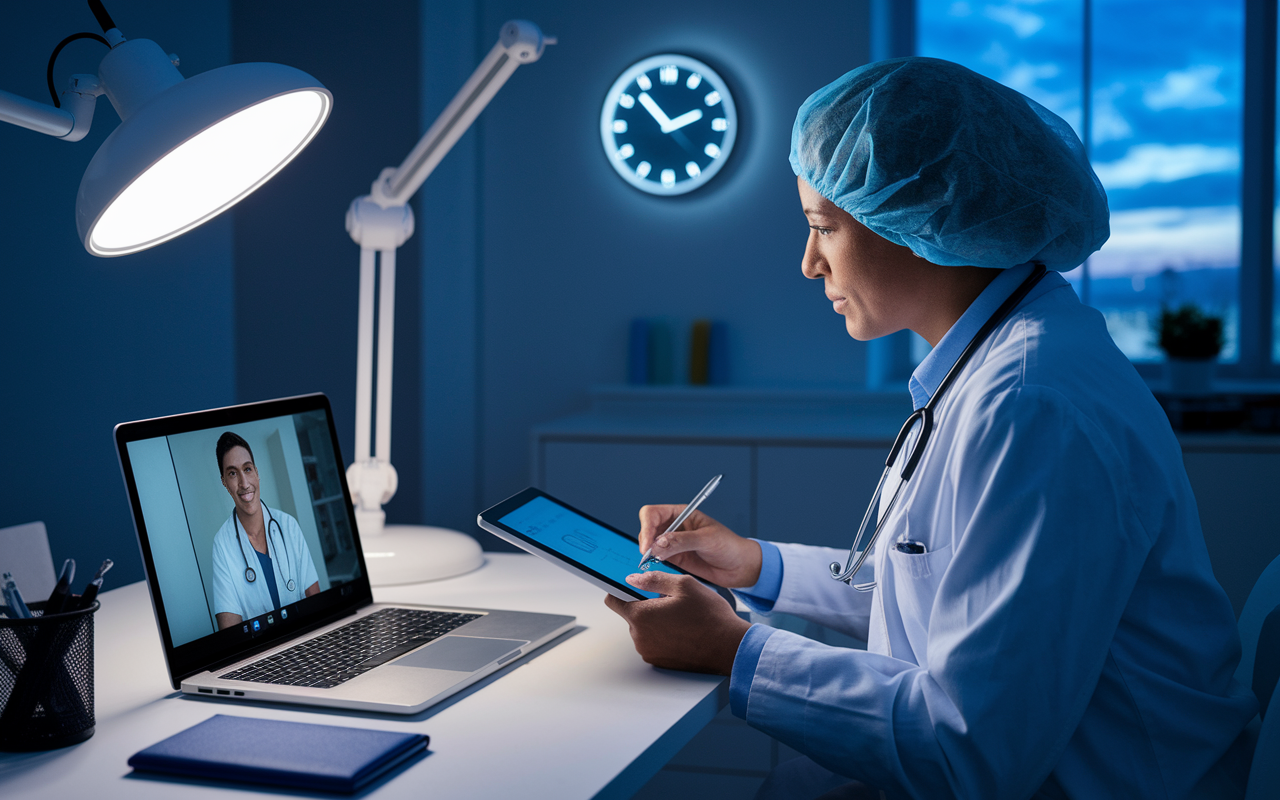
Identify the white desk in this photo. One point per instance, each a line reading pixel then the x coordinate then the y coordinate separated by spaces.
pixel 583 717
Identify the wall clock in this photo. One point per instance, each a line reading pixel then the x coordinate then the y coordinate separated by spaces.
pixel 668 124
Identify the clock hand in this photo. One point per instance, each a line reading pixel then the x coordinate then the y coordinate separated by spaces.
pixel 682 120
pixel 652 108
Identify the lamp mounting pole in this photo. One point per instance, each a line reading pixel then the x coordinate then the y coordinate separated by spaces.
pixel 380 222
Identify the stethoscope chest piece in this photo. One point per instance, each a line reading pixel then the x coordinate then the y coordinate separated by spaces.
pixel 250 575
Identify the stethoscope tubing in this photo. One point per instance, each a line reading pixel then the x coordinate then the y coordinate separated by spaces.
pixel 925 415
pixel 250 575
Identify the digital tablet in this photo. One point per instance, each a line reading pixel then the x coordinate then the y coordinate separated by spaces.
pixel 598 553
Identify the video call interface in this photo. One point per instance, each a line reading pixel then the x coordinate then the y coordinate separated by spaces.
pixel 281 479
pixel 593 546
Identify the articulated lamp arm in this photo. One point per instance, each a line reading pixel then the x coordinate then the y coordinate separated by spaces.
pixel 380 222
pixel 70 122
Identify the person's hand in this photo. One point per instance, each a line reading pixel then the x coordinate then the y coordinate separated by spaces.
pixel 704 547
pixel 690 628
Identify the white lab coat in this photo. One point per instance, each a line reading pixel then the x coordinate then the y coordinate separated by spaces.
pixel 233 594
pixel 1063 636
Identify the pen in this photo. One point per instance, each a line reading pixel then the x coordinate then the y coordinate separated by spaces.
pixel 689 509
pixel 91 591
pixel 13 599
pixel 58 600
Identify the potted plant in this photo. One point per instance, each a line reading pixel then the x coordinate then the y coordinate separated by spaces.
pixel 1191 339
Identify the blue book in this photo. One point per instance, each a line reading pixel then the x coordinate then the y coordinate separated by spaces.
pixel 299 755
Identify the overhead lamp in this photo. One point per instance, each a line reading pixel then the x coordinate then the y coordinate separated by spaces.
pixel 185 150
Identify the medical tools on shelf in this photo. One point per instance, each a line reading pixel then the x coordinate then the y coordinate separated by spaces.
pixel 925 416
pixel 689 509
pixel 249 574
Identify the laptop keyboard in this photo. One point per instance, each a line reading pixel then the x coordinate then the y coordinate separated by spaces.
pixel 344 653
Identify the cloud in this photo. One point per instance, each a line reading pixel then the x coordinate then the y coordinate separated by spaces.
pixel 1108 123
pixel 1146 240
pixel 1023 23
pixel 1023 75
pixel 1162 163
pixel 1195 87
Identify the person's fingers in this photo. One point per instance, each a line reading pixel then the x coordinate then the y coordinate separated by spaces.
pixel 653 520
pixel 672 544
pixel 617 606
pixel 663 583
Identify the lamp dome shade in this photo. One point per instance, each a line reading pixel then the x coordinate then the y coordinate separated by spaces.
pixel 193 151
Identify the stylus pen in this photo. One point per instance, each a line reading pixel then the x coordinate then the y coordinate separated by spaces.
pixel 689 509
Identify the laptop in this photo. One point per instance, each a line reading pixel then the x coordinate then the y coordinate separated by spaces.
pixel 258 578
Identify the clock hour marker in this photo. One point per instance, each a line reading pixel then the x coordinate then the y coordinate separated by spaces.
pixel 668 178
pixel 717 124
pixel 713 98
pixel 643 82
pixel 712 149
pixel 619 126
pixel 693 81
pixel 626 151
pixel 693 169
pixel 643 168
pixel 669 74
pixel 625 100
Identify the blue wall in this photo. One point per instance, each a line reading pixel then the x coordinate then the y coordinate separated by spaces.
pixel 296 269
pixel 90 342
pixel 537 284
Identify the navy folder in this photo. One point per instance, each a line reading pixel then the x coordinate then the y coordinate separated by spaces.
pixel 299 755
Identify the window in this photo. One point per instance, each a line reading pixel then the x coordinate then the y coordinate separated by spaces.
pixel 1155 90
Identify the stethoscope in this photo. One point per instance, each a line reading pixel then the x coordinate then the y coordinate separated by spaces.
pixel 249 575
pixel 926 418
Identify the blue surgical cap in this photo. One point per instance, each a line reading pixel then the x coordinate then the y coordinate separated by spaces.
pixel 962 170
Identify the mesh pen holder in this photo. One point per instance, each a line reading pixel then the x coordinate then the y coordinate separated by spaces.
pixel 46 679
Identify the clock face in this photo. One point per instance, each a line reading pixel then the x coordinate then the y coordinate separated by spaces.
pixel 668 124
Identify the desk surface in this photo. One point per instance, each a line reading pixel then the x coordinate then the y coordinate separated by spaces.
pixel 582 717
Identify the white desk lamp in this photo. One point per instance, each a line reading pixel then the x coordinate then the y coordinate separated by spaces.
pixel 380 222
pixel 186 149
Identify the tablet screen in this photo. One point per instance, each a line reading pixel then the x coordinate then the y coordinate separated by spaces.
pixel 604 551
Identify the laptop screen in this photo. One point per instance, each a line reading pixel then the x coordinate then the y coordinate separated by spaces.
pixel 245 522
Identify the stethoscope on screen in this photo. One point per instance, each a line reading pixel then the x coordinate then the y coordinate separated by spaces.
pixel 249 574
pixel 925 416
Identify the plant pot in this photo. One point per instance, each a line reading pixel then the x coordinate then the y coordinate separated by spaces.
pixel 1190 375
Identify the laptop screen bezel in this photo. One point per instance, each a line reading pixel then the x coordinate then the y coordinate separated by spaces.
pixel 230 645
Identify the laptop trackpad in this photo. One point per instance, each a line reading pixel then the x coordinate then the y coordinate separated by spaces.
pixel 460 653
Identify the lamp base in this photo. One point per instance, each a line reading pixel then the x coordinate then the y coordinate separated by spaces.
pixel 418 553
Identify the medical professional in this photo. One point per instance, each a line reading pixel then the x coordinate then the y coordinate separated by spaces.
pixel 260 558
pixel 1044 621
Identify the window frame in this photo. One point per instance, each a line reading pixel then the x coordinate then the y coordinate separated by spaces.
pixel 1256 287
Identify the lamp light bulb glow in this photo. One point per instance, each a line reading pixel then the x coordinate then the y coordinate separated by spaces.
pixel 209 172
